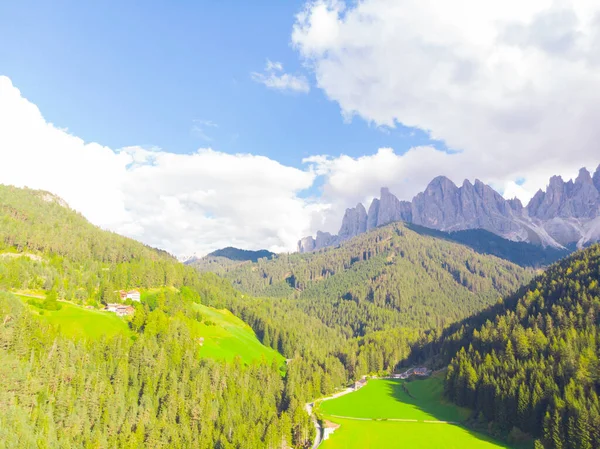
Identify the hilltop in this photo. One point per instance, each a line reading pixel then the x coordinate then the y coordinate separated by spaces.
pixel 222 259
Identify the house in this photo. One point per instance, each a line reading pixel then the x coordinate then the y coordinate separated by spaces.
pixel 201 341
pixel 120 309
pixel 412 372
pixel 112 307
pixel 123 310
pixel 360 383
pixel 328 428
pixel 134 295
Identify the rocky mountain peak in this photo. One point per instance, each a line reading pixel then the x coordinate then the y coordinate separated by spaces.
pixel 556 183
pixel 563 214
pixel 354 222
pixel 440 185
pixel 306 244
pixel 516 205
pixel 373 213
pixel 391 209
pixel 584 177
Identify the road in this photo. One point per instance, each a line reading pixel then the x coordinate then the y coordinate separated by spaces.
pixel 309 409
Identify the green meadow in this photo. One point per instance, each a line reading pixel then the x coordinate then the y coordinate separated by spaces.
pixel 226 336
pixel 366 418
pixel 79 322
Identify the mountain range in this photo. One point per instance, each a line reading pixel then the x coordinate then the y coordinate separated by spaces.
pixel 567 214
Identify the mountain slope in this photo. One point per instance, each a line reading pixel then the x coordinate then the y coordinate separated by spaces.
pixel 38 221
pixel 152 383
pixel 45 245
pixel 485 242
pixel 567 213
pixel 533 361
pixel 388 277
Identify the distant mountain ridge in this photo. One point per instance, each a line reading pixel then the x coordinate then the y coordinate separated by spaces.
pixel 241 254
pixel 567 214
pixel 221 260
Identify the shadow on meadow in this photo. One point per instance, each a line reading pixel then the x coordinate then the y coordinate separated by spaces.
pixel 426 396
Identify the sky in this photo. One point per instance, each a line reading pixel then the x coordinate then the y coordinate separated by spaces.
pixel 196 125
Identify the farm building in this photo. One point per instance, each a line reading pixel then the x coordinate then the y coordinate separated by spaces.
pixel 120 309
pixel 134 295
pixel 112 307
pixel 360 383
pixel 412 372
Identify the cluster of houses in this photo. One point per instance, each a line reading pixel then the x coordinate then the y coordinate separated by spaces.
pixel 123 309
pixel 412 372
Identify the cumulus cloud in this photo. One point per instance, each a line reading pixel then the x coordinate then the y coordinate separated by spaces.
pixel 179 202
pixel 512 88
pixel 275 78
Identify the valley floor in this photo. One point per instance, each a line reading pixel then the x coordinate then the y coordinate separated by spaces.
pixel 395 413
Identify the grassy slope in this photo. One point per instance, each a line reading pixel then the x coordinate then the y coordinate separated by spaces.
pixel 230 336
pixel 385 398
pixel 75 321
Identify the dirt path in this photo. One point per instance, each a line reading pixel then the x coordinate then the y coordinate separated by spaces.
pixel 428 421
pixel 29 296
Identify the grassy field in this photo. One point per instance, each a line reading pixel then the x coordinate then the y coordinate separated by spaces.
pixel 366 418
pixel 229 336
pixel 225 337
pixel 77 322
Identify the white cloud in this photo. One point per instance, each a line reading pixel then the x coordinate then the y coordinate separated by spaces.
pixel 183 203
pixel 200 128
pixel 513 87
pixel 275 78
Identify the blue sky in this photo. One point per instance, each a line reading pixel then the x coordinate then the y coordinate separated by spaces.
pixel 130 91
pixel 147 73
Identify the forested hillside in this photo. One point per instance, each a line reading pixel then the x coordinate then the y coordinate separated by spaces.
pixel 531 363
pixel 152 386
pixel 152 391
pixel 386 278
pixel 45 245
pixel 484 242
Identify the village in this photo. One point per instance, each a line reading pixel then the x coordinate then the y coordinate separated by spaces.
pixel 124 309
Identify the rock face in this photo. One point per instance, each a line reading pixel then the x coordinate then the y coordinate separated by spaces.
pixel 566 213
pixel 391 209
pixel 446 207
pixel 306 245
pixel 354 222
pixel 596 179
pixel 373 214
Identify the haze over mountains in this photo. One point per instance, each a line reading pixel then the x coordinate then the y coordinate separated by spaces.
pixel 567 214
